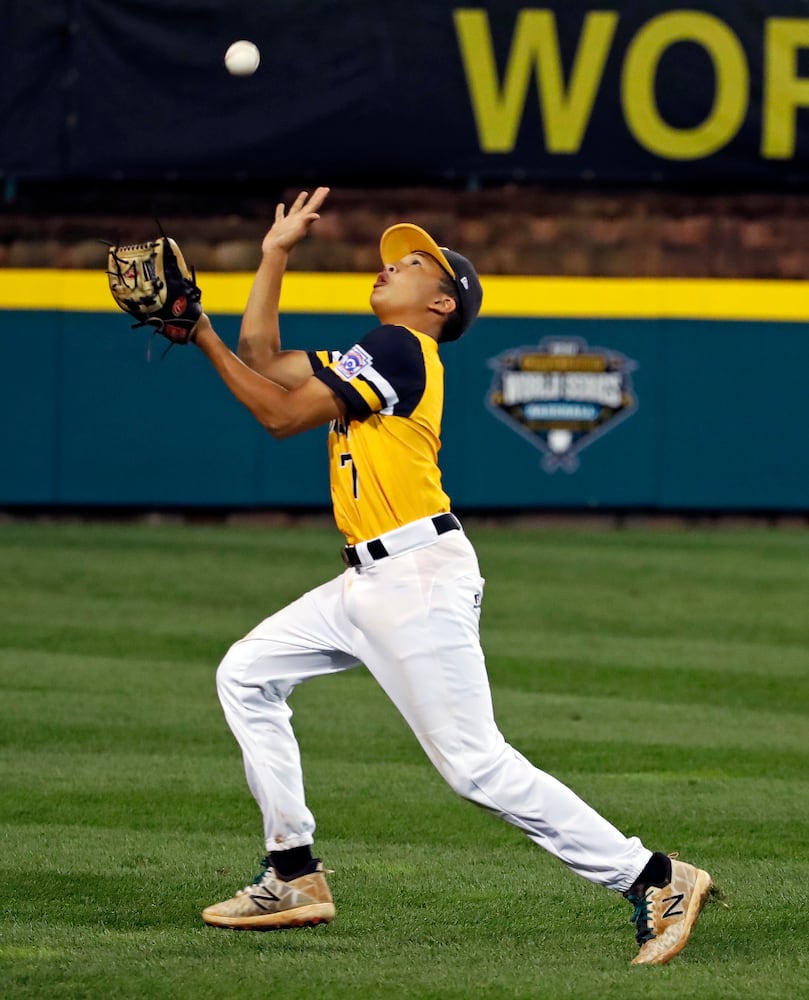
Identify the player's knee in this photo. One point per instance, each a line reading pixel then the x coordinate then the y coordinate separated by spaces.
pixel 472 777
pixel 461 778
pixel 462 784
pixel 232 684
pixel 228 673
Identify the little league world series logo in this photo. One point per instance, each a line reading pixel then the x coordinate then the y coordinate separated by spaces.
pixel 561 395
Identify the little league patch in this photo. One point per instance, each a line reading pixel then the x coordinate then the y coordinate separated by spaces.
pixel 353 362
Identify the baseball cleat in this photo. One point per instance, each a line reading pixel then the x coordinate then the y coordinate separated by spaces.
pixel 665 917
pixel 270 903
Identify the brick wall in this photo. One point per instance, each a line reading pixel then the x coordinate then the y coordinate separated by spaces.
pixel 505 230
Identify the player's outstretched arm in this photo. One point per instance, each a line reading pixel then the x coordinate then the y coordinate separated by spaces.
pixel 283 412
pixel 260 336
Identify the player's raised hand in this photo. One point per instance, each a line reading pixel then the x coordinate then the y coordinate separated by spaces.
pixel 292 225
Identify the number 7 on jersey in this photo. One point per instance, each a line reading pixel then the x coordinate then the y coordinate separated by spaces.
pixel 346 459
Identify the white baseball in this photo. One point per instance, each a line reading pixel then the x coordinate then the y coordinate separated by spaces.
pixel 242 58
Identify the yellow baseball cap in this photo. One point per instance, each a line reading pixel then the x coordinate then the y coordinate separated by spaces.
pixel 405 237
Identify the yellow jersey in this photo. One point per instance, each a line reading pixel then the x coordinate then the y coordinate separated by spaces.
pixel 383 458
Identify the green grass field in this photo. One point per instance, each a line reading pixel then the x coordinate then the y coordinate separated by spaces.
pixel 663 675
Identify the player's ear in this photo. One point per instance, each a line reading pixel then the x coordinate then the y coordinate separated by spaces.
pixel 443 305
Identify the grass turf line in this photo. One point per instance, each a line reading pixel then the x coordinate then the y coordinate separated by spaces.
pixel 662 675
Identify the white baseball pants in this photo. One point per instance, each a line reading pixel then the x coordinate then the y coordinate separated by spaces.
pixel 412 619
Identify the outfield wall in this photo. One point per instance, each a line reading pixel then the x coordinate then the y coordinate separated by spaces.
pixel 567 393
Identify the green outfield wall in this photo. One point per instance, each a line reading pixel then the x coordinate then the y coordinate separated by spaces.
pixel 567 393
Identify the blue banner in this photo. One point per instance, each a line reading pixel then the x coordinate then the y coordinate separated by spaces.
pixel 428 91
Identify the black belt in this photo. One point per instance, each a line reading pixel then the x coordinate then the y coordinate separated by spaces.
pixel 376 547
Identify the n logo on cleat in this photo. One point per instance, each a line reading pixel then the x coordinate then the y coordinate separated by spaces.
pixel 265 896
pixel 671 910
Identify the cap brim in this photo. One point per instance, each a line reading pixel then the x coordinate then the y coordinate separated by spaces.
pixel 405 238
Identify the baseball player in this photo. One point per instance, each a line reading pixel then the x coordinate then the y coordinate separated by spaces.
pixel 407 604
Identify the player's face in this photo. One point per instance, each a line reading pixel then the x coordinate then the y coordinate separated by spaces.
pixel 410 285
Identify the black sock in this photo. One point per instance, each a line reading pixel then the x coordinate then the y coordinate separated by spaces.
pixel 293 863
pixel 657 872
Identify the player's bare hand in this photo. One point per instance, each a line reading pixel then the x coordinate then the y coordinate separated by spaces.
pixel 292 224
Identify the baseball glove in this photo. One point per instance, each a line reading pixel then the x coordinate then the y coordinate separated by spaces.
pixel 153 283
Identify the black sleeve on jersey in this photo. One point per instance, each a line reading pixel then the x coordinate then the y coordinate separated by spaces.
pixel 396 375
pixel 315 361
